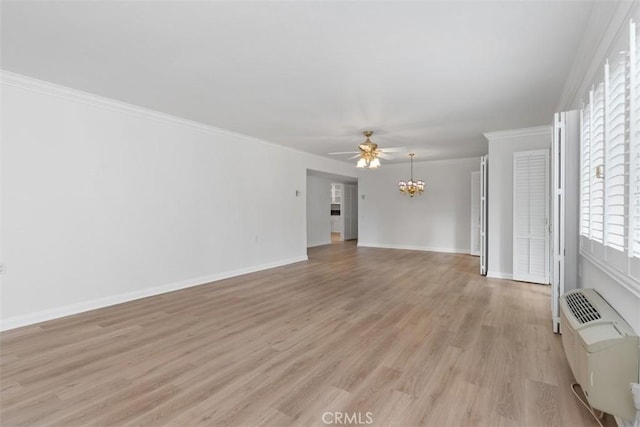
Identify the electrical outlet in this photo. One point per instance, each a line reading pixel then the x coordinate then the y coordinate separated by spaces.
pixel 3 268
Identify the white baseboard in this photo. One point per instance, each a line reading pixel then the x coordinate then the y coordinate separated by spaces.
pixel 414 248
pixel 499 275
pixel 313 245
pixel 68 310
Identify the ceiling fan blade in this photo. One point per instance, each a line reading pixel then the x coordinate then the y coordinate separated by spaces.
pixel 355 157
pixel 393 149
pixel 344 152
pixel 385 156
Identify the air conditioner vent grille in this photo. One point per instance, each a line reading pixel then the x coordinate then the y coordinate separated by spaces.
pixel 581 308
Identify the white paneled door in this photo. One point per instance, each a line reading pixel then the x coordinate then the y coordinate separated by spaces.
pixel 475 213
pixel 531 216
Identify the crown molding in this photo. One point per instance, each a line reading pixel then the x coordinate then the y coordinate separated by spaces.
pixel 64 92
pixel 52 89
pixel 445 161
pixel 605 28
pixel 518 133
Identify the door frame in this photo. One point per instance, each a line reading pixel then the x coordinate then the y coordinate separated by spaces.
pixel 558 219
pixel 484 212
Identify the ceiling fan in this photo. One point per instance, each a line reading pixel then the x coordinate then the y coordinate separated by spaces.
pixel 369 152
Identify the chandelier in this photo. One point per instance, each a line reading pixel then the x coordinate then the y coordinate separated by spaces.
pixel 411 187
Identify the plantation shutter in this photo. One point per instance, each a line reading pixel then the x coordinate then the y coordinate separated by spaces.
pixel 614 176
pixel 609 225
pixel 634 145
pixel 597 163
pixel 585 191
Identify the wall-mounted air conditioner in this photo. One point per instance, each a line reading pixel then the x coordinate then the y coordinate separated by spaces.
pixel 602 351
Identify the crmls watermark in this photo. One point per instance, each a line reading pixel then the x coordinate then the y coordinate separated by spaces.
pixel 347 418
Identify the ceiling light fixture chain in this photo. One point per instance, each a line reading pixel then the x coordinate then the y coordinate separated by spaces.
pixel 411 187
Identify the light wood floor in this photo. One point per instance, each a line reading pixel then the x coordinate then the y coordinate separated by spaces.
pixel 414 338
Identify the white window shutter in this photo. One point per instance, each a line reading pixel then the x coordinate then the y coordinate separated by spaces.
pixel 610 168
pixel 615 156
pixel 634 144
pixel 585 165
pixel 597 165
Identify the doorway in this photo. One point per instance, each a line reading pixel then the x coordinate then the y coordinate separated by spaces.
pixel 344 211
pixel 336 212
pixel 332 208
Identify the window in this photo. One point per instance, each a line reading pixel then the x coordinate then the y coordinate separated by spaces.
pixel 585 169
pixel 610 168
pixel 597 164
pixel 634 145
pixel 615 156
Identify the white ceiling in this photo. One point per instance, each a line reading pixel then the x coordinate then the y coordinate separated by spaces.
pixel 431 76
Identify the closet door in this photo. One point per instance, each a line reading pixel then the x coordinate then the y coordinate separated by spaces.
pixel 531 216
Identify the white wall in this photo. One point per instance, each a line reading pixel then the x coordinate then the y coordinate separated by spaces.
pixel 606 35
pixel 624 301
pixel 438 220
pixel 318 211
pixel 105 202
pixel 502 145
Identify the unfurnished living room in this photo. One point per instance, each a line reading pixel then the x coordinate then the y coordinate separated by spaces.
pixel 317 213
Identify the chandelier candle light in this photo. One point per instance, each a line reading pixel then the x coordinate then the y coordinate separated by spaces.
pixel 411 187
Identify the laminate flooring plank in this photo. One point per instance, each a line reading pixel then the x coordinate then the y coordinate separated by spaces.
pixel 414 338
